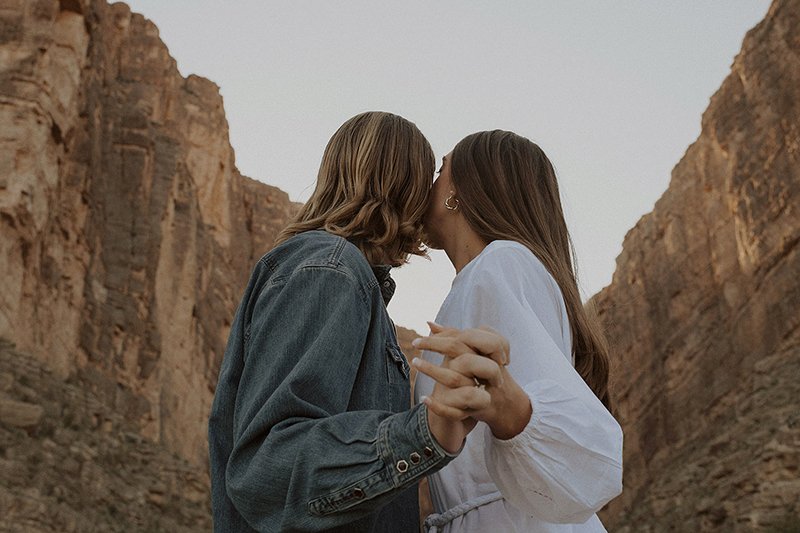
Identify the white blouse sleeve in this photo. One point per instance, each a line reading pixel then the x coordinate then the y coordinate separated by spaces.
pixel 567 463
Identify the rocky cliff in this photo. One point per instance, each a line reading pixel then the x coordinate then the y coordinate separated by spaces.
pixel 704 308
pixel 126 232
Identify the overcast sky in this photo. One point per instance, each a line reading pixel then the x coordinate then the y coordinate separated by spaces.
pixel 613 91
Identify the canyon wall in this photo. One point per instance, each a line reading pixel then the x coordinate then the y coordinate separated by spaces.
pixel 703 313
pixel 126 232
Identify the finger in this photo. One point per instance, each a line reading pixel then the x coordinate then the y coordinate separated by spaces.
pixel 447 377
pixel 439 329
pixel 447 346
pixel 490 329
pixel 478 366
pixel 436 328
pixel 486 342
pixel 466 399
pixel 443 410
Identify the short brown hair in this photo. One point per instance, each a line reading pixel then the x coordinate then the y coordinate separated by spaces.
pixel 372 188
pixel 507 189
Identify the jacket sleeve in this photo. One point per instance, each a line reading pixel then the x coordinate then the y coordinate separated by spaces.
pixel 300 460
pixel 567 463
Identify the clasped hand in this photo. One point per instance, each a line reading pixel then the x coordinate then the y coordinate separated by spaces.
pixel 472 384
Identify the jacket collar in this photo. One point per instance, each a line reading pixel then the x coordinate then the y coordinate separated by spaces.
pixel 385 281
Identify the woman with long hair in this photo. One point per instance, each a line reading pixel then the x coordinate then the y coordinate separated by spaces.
pixel 547 453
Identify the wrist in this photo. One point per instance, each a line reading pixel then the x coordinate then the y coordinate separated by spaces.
pixel 514 413
pixel 448 434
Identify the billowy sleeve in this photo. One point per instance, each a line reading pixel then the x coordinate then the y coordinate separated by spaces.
pixel 567 462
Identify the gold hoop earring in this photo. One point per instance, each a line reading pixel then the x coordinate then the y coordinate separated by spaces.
pixel 448 200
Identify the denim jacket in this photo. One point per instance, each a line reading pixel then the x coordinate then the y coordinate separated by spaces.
pixel 311 427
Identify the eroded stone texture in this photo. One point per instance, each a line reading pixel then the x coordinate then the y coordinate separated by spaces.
pixel 82 466
pixel 704 308
pixel 126 232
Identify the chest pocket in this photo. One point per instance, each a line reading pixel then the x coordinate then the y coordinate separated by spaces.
pixel 397 376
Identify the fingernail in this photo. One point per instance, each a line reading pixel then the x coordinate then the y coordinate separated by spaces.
pixel 416 361
pixel 424 399
pixel 415 343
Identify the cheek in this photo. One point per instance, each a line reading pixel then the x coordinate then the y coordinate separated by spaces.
pixel 430 210
pixel 436 216
pixel 439 190
pixel 435 197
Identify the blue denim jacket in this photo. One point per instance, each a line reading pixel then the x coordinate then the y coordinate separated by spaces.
pixel 311 427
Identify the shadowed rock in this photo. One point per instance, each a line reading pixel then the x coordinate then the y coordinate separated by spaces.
pixel 126 231
pixel 704 308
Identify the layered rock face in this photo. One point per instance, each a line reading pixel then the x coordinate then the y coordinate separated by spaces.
pixel 704 313
pixel 71 463
pixel 126 232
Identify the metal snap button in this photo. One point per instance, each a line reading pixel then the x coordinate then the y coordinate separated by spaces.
pixel 415 458
pixel 386 283
pixel 358 493
pixel 427 451
pixel 402 466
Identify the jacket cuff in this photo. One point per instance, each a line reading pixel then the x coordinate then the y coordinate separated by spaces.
pixel 408 451
pixel 408 448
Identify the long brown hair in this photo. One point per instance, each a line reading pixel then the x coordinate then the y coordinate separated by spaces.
pixel 372 188
pixel 507 189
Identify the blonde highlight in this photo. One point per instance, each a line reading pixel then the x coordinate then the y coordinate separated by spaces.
pixel 372 188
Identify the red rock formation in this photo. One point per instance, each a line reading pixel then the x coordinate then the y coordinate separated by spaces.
pixel 126 232
pixel 704 308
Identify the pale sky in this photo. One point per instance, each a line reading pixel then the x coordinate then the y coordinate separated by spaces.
pixel 613 91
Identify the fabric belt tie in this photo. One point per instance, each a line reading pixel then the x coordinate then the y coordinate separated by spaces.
pixel 434 522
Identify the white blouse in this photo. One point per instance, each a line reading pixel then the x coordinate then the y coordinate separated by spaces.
pixel 567 462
